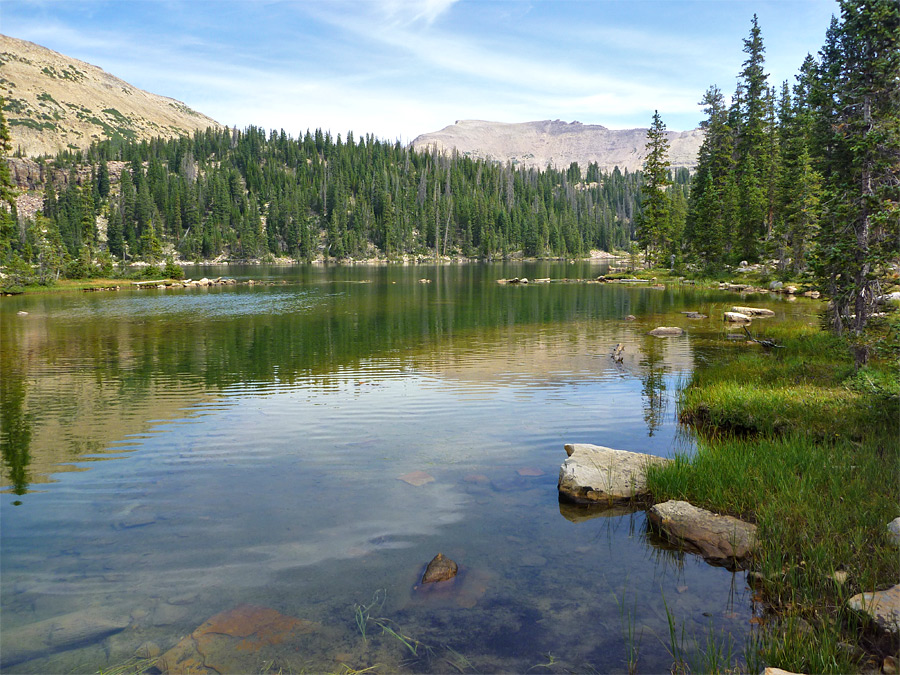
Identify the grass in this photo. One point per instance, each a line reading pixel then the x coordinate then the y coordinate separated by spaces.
pixel 806 447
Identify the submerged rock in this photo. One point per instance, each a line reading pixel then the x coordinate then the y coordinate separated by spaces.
pixel 439 569
pixel 883 607
pixel 594 474
pixel 666 331
pixel 694 315
pixel 58 634
pixel 719 539
pixel 416 478
pixel 231 641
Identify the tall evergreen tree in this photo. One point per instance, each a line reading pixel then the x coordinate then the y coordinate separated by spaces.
pixel 858 102
pixel 656 234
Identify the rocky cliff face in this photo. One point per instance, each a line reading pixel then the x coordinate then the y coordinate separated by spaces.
pixel 53 103
pixel 537 144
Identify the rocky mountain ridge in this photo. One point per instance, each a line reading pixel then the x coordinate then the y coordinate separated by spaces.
pixel 558 143
pixel 53 102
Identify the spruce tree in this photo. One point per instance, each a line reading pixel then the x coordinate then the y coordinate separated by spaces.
pixel 656 235
pixel 859 110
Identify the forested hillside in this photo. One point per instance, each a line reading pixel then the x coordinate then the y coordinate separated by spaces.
pixel 249 194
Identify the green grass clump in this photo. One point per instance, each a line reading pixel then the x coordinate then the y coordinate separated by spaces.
pixel 799 442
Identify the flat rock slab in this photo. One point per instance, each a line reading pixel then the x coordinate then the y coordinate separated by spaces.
pixel 60 633
pixel 753 311
pixel 882 606
pixel 719 539
pixel 666 331
pixel 736 317
pixel 232 642
pixel 416 478
pixel 595 474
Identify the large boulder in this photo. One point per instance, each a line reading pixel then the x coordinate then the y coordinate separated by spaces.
pixel 594 474
pixel 883 607
pixel 719 539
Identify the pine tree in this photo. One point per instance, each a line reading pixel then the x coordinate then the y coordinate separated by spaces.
pixel 859 109
pixel 656 234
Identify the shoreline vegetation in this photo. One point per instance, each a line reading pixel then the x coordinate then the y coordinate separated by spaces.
pixel 804 444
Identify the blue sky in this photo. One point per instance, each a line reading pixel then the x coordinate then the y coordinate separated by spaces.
pixel 398 68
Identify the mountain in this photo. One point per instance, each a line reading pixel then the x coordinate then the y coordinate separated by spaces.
pixel 53 103
pixel 537 144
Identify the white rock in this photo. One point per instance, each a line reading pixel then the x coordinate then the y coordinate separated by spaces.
pixel 593 473
pixel 736 317
pixel 721 539
pixel 753 311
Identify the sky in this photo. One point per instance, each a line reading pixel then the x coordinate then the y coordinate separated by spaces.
pixel 400 68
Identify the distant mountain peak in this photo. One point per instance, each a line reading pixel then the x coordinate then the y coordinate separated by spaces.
pixel 54 102
pixel 557 143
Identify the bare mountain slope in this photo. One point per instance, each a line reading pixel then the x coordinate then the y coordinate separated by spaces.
pixel 537 144
pixel 54 103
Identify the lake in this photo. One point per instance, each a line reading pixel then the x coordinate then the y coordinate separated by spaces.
pixel 244 452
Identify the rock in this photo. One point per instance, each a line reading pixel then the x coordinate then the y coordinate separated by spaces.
pixel 60 633
pixel 666 331
pixel 416 478
pixel 753 311
pixel 890 666
pixel 736 317
pixel 811 294
pixel 631 317
pixel 719 539
pixel 22 313
pixel 231 641
pixel 894 529
pixel 424 281
pixel 790 290
pixel 439 569
pixel 776 671
pixel 593 473
pixel 883 607
pixel 694 315
pixel 775 285
pixel 743 263
pixel 530 471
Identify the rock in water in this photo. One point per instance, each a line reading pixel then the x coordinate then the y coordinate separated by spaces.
pixel 594 474
pixel 720 539
pixel 439 569
pixel 736 317
pixel 235 641
pixel 665 331
pixel 753 311
pixel 60 633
